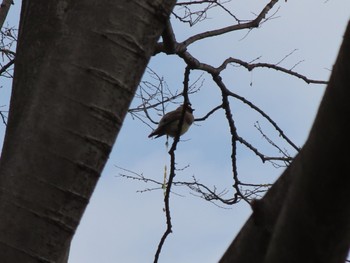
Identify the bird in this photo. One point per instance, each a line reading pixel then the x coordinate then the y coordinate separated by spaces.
pixel 169 123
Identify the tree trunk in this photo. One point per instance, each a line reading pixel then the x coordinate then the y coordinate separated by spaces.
pixel 305 217
pixel 77 67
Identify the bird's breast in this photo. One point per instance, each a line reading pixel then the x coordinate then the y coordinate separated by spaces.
pixel 172 129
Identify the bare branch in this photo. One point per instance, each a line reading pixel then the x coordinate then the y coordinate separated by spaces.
pixel 3 118
pixel 284 152
pixel 226 106
pixel 263 157
pixel 172 167
pixel 209 113
pixel 7 66
pixel 4 9
pixel 214 2
pixel 250 67
pixel 267 117
pixel 286 56
pixel 252 24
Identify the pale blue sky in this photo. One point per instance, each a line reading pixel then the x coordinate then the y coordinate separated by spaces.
pixel 121 225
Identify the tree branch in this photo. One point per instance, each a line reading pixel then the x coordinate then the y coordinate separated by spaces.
pixel 7 66
pixel 305 216
pixel 251 66
pixel 4 9
pixel 252 24
pixel 172 167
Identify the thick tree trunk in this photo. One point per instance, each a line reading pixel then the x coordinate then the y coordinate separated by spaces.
pixel 305 217
pixel 252 241
pixel 77 67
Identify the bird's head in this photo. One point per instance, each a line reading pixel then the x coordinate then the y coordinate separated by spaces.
pixel 188 108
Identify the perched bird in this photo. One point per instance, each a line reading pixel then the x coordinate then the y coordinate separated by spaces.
pixel 169 124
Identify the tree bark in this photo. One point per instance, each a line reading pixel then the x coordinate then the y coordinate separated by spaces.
pixel 305 217
pixel 77 67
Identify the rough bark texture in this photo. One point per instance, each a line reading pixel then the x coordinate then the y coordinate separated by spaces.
pixel 305 217
pixel 77 67
pixel 251 243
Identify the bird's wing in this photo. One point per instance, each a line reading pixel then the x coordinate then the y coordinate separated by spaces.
pixel 169 118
